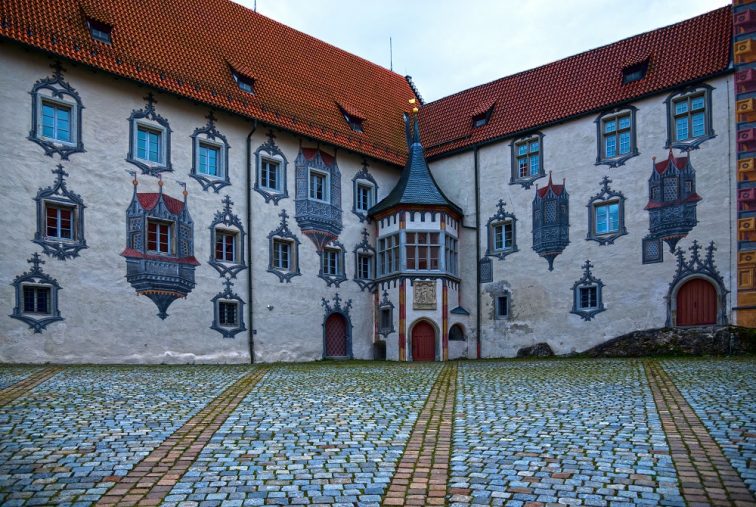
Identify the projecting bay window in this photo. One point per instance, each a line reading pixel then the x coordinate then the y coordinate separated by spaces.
pixel 422 251
pixel 388 255
pixel 319 186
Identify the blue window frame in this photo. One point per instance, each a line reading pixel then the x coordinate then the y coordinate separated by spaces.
pixel 528 157
pixel 149 144
pixel 56 121
pixel 690 117
pixel 209 160
pixel 617 135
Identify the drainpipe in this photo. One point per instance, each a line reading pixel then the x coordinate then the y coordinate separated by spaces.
pixel 477 252
pixel 248 190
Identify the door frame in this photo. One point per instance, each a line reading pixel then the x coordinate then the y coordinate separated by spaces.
pixel 348 322
pixel 436 344
pixel 721 300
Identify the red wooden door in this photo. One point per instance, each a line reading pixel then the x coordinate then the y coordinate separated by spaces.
pixel 423 342
pixel 336 336
pixel 696 303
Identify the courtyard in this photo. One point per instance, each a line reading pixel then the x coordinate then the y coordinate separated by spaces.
pixel 508 432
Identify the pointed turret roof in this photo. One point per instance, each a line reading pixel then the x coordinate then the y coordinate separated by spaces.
pixel 416 185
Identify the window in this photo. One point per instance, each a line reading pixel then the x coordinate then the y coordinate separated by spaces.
pixel 634 72
pixel 244 83
pixel 209 160
pixel 282 255
pixel 225 246
pixel 330 262
pixel 100 31
pixel 502 307
pixel 588 298
pixel 364 197
pixel 502 236
pixel 59 221
pixel 228 313
pixel 386 319
pixel 388 255
pixel 354 122
pixel 56 121
pixel 527 160
pixel 385 316
pixel 689 118
pixel 616 137
pixel 37 299
pixel 149 144
pixel 318 186
pixel 422 249
pixel 159 237
pixel 364 266
pixel 607 218
pixel 451 255
pixel 456 334
pixel 269 174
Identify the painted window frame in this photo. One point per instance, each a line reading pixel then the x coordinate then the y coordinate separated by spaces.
pixel 35 277
pixel 228 296
pixel 326 175
pixel 605 197
pixel 365 249
pixel 226 221
pixel 59 195
pixel 209 135
pixel 587 281
pixel 283 233
pixel 363 177
pixel 615 114
pixel 171 236
pixel 385 305
pixel 337 250
pixel 270 151
pixel 56 90
pixel 148 118
pixel 691 143
pixel 501 218
pixel 526 181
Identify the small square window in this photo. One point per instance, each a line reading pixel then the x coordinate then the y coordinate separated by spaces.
pixel 502 307
pixel 149 144
pixel 588 298
pixel 282 255
pixel 210 160
pixel 59 221
pixel 270 177
pixel 37 299
pixel 228 313
pixel 160 237
pixel 364 197
pixel 100 31
pixel 225 246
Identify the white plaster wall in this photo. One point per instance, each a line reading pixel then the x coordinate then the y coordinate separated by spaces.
pixel 105 321
pixel 634 293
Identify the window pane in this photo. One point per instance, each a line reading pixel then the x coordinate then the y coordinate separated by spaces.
pixel 522 149
pixel 611 146
pixel 534 146
pixel 697 103
pixel 681 128
pixel 508 235
pixel 29 299
pixel 614 217
pixel 523 166
pixel 624 122
pixel 534 165
pixel 610 126
pixel 498 237
pixel 681 107
pixel 624 146
pixel 43 300
pixel 698 124
pixel 601 220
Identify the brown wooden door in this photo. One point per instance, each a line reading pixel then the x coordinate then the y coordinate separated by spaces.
pixel 423 342
pixel 336 336
pixel 696 303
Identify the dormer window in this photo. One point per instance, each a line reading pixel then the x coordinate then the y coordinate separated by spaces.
pixel 634 72
pixel 354 123
pixel 481 119
pixel 245 83
pixel 482 114
pixel 100 31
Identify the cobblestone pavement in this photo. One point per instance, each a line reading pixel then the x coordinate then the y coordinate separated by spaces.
pixel 574 432
pixel 723 394
pixel 525 433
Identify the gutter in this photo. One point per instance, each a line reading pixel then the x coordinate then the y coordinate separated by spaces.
pixel 478 315
pixel 248 200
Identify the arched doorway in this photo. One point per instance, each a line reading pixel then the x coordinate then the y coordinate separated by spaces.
pixel 423 342
pixel 696 303
pixel 336 336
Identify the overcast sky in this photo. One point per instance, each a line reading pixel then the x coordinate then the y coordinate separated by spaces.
pixel 448 46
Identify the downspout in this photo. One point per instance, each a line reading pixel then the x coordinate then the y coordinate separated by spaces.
pixel 477 252
pixel 248 190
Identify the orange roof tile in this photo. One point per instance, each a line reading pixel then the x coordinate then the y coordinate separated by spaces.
pixel 588 82
pixel 186 47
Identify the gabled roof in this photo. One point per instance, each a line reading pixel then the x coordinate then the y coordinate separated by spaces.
pixel 188 47
pixel 148 201
pixel 588 82
pixel 679 162
pixel 416 185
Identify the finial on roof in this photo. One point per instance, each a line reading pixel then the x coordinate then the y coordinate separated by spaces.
pixel 185 192
pixel 160 182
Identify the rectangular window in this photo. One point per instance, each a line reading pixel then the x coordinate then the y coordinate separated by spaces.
pixel 502 307
pixel 607 218
pixel 528 157
pixel 59 221
pixel 388 255
pixel 36 299
pixel 386 319
pixel 159 236
pixel 422 250
pixel 616 135
pixel 269 177
pixel 245 84
pixel 670 188
pixel 100 31
pixel 588 298
pixel 502 236
pixel 364 197
pixel 56 121
pixel 225 246
pixel 228 313
pixel 282 255
pixel 364 268
pixel 149 144
pixel 330 262
pixel 318 186
pixel 689 117
pixel 451 255
pixel 209 160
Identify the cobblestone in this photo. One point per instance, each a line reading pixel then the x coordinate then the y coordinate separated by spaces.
pixel 12 374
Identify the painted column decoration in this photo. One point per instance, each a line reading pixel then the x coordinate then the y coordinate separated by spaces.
pixel 744 51
pixel 403 319
pixel 445 321
pixel 551 221
pixel 159 252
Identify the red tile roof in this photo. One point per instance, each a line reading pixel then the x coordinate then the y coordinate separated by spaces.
pixel 679 162
pixel 584 83
pixel 148 201
pixel 188 47
pixel 556 189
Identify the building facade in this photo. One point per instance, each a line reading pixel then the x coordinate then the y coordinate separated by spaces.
pixel 297 204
